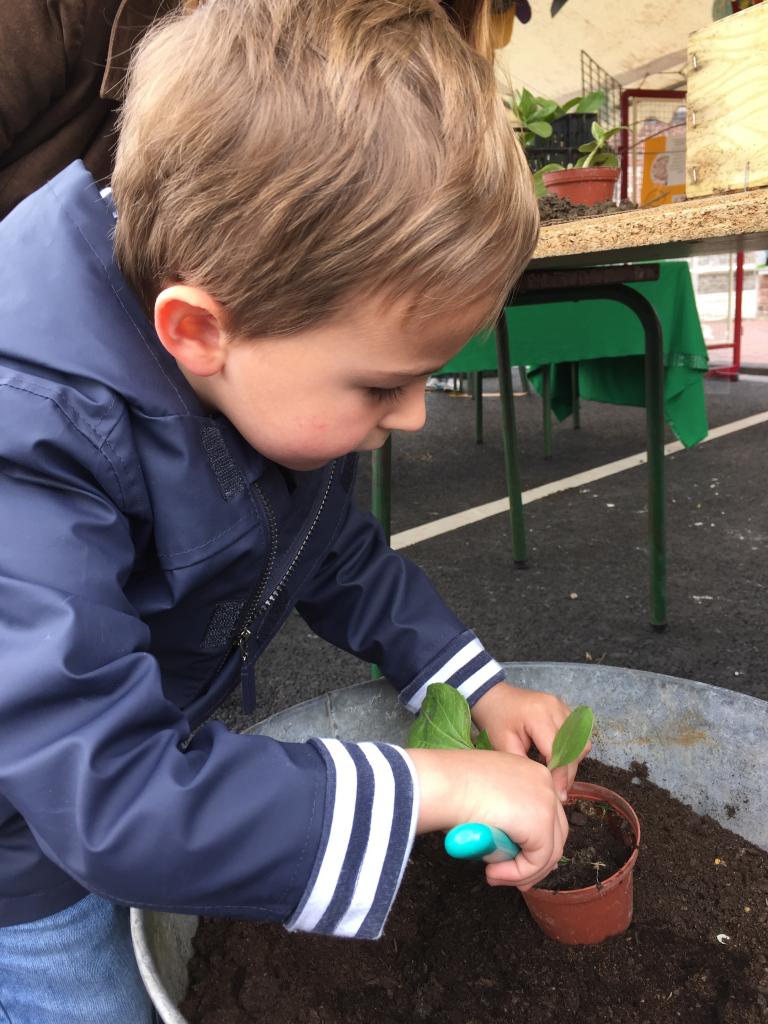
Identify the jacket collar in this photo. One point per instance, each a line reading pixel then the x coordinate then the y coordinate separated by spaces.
pixel 66 308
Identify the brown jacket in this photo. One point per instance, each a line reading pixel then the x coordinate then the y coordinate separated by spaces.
pixel 62 63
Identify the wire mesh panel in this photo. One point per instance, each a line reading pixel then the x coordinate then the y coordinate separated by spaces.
pixel 654 158
pixel 594 78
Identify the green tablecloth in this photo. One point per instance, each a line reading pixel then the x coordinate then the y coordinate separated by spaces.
pixel 607 340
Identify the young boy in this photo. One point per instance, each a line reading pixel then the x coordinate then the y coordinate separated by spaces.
pixel 316 205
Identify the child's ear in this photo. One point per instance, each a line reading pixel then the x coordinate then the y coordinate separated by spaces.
pixel 189 323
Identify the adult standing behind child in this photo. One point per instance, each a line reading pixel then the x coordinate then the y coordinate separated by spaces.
pixel 315 205
pixel 61 77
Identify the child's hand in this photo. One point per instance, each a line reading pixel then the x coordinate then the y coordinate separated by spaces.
pixel 515 718
pixel 511 792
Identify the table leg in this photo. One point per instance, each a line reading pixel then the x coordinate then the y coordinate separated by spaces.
pixel 511 459
pixel 381 486
pixel 478 387
pixel 546 405
pixel 575 396
pixel 381 499
pixel 654 418
pixel 524 383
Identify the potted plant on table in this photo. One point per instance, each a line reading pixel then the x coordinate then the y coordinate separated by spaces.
pixel 604 830
pixel 591 178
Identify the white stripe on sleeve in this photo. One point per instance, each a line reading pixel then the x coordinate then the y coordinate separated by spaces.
pixel 443 675
pixel 382 812
pixel 338 838
pixel 479 678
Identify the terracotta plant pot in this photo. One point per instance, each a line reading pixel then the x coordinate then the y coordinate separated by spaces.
pixel 587 916
pixel 584 186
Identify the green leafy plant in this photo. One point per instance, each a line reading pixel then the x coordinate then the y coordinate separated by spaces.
pixel 572 736
pixel 536 114
pixel 445 722
pixel 597 153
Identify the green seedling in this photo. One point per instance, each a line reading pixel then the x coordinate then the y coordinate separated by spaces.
pixel 445 722
pixel 536 114
pixel 597 153
pixel 572 736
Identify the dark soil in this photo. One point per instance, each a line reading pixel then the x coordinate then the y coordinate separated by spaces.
pixel 599 843
pixel 555 208
pixel 458 952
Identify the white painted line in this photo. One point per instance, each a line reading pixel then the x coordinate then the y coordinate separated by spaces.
pixel 417 534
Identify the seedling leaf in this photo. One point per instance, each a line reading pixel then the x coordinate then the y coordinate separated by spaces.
pixel 570 104
pixel 444 721
pixel 591 103
pixel 572 737
pixel 546 107
pixel 541 128
pixel 483 742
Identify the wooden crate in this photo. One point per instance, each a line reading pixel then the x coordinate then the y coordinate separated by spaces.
pixel 727 136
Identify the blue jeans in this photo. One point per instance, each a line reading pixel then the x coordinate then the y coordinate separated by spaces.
pixel 74 967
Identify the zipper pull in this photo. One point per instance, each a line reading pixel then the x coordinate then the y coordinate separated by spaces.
pixel 242 643
pixel 247 679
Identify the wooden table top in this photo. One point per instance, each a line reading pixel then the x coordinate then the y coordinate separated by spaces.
pixel 734 222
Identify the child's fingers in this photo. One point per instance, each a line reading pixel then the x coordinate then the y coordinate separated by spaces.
pixel 521 873
pixel 534 862
pixel 573 767
pixel 562 781
pixel 564 777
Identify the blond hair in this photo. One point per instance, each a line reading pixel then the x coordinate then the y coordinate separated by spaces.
pixel 288 156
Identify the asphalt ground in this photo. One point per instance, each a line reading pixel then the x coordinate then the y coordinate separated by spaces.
pixel 584 595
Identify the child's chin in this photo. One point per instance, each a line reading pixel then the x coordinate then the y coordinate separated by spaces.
pixel 373 446
pixel 303 464
pixel 300 461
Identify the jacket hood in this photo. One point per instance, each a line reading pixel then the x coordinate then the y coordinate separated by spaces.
pixel 66 309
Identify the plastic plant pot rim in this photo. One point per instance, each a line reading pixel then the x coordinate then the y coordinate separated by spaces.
pixel 588 791
pixel 576 174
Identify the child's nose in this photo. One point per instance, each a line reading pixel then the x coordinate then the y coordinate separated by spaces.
pixel 409 414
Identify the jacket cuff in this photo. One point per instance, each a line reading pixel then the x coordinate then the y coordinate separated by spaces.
pixel 464 663
pixel 371 810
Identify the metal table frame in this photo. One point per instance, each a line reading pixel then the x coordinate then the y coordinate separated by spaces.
pixel 541 286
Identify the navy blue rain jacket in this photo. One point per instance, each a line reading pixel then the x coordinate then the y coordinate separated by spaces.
pixel 147 556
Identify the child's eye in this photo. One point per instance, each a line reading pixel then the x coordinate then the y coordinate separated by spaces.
pixel 386 394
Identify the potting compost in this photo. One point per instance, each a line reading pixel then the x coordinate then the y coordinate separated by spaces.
pixel 456 951
pixel 556 208
pixel 599 843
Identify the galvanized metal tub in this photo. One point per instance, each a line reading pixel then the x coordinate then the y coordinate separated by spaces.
pixel 708 745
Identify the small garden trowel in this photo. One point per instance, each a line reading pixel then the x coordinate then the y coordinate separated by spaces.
pixel 474 841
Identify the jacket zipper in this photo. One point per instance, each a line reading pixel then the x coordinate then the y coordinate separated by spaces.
pixel 241 632
pixel 245 633
pixel 256 605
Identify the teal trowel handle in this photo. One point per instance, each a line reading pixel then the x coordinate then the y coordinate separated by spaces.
pixel 474 841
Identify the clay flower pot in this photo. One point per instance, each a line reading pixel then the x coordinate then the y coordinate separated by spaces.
pixel 584 186
pixel 587 916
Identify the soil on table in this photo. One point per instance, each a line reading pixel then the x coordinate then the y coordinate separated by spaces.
pixel 456 951
pixel 556 208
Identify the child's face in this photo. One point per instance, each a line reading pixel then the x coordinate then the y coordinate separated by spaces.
pixel 343 386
